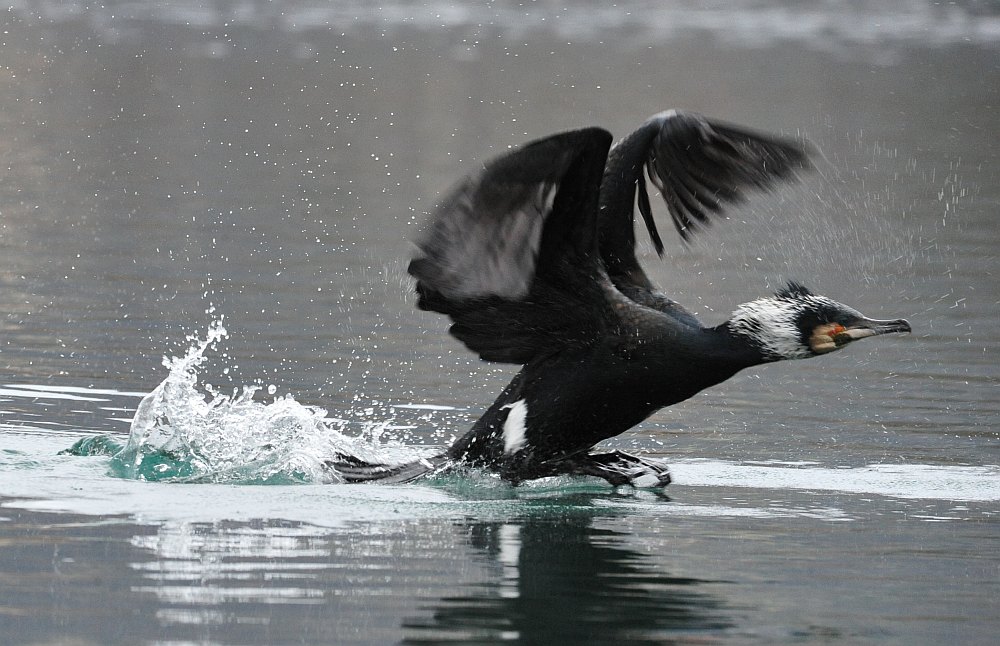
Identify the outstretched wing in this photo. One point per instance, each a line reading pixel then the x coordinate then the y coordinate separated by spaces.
pixel 699 166
pixel 511 253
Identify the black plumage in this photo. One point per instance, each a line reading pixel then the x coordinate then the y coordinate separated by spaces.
pixel 533 260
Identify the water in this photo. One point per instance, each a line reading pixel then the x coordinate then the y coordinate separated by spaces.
pixel 170 170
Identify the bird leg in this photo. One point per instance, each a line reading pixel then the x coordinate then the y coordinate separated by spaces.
pixel 621 468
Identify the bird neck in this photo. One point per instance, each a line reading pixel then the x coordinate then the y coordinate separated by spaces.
pixel 625 163
pixel 618 188
pixel 739 349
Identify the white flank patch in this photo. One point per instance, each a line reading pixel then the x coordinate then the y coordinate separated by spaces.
pixel 514 427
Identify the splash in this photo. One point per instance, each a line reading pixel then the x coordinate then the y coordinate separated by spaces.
pixel 183 431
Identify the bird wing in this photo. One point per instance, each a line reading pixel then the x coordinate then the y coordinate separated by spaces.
pixel 700 167
pixel 511 253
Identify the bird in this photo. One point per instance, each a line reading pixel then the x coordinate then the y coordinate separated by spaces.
pixel 533 260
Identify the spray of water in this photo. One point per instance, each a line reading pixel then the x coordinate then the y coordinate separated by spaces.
pixel 185 431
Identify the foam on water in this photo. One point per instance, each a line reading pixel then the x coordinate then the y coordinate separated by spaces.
pixel 912 481
pixel 186 431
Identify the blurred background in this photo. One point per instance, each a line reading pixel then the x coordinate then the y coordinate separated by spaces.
pixel 166 164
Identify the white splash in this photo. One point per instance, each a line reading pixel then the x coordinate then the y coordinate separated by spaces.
pixel 220 438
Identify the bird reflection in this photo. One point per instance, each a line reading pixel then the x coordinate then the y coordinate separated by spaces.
pixel 561 579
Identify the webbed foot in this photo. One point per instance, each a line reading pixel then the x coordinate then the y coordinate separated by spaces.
pixel 620 468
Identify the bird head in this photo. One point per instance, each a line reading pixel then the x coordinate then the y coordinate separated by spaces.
pixel 797 324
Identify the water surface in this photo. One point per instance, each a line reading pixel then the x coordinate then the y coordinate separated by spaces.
pixel 170 166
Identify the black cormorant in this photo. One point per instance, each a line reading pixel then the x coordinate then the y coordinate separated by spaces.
pixel 533 259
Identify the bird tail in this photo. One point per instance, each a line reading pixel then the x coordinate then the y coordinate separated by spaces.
pixel 352 470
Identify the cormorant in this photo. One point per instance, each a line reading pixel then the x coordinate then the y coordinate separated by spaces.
pixel 533 259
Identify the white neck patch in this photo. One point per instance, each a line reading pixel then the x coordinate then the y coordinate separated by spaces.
pixel 771 323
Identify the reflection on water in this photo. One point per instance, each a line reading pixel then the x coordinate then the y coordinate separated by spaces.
pixel 544 578
pixel 584 567
pixel 204 565
pixel 562 580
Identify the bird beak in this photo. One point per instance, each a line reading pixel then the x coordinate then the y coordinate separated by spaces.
pixel 864 328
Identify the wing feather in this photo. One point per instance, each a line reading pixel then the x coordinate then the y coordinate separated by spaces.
pixel 511 253
pixel 700 167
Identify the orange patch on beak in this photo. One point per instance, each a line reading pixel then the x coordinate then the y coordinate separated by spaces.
pixel 822 339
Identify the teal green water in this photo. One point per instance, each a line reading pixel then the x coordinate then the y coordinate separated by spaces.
pixel 163 465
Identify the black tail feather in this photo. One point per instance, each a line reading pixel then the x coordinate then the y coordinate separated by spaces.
pixel 351 470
